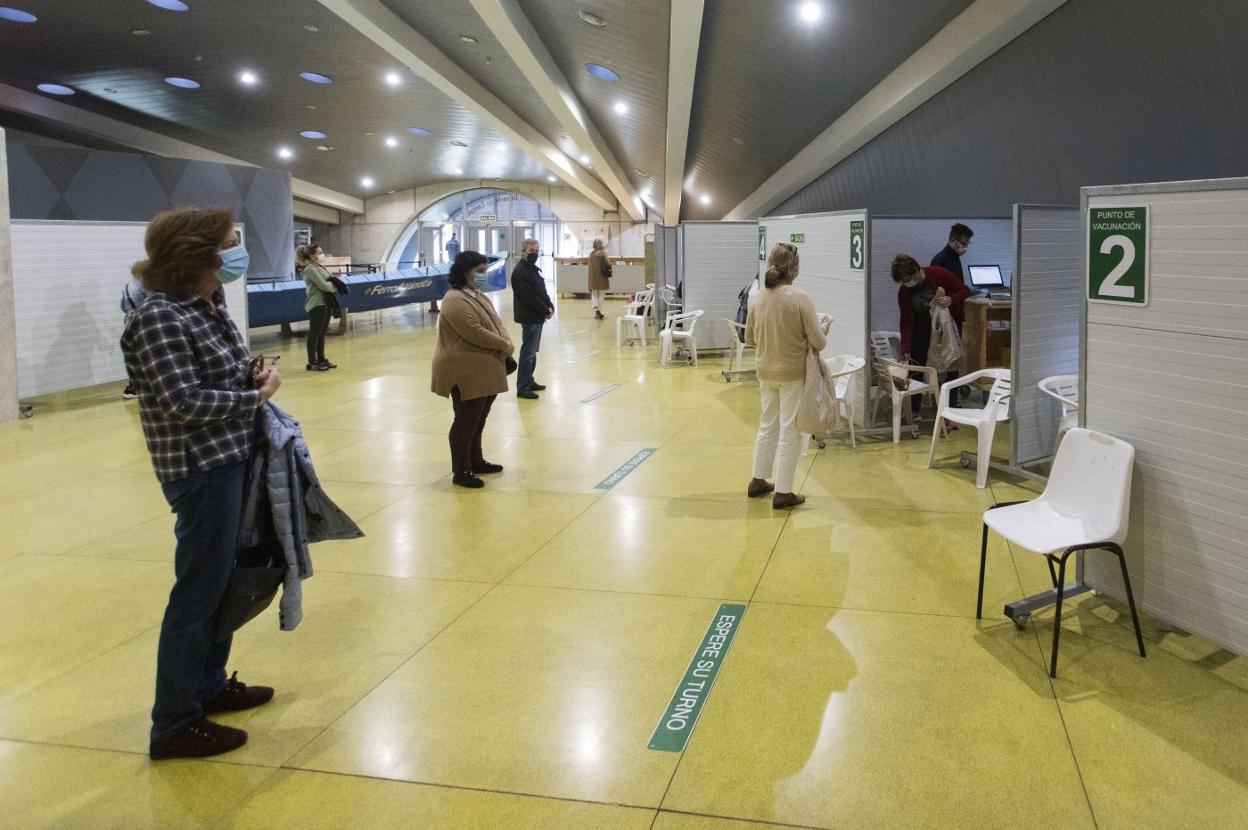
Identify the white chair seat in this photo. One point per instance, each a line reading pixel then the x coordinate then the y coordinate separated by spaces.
pixel 966 417
pixel 1039 528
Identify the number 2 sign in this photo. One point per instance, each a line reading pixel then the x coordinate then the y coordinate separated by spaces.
pixel 1118 255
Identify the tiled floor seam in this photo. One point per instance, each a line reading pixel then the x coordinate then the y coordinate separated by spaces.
pixel 758 821
pixel 1074 756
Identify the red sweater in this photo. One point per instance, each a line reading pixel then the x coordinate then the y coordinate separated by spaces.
pixel 955 290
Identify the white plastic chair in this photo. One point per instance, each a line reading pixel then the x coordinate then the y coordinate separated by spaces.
pixel 886 370
pixel 842 368
pixel 671 303
pixel 679 327
pixel 984 420
pixel 737 331
pixel 1084 506
pixel 637 313
pixel 1065 390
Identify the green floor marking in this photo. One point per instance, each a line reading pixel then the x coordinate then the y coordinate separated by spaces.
pixel 626 468
pixel 600 393
pixel 682 713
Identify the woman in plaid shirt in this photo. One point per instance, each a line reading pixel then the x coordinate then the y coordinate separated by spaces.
pixel 198 400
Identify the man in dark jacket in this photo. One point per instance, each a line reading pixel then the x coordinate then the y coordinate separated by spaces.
pixel 532 309
pixel 950 257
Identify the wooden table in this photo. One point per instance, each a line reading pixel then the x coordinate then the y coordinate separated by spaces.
pixel 983 345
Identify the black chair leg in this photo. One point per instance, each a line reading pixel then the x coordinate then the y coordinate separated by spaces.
pixel 1126 583
pixel 983 558
pixel 1057 615
pixel 1052 573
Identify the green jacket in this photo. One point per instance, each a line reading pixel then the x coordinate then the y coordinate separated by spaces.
pixel 317 279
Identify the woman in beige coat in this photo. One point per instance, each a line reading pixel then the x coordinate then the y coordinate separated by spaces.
pixel 469 366
pixel 599 276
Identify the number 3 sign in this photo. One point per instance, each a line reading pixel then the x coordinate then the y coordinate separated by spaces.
pixel 1118 255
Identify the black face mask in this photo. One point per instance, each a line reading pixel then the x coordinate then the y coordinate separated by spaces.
pixel 531 256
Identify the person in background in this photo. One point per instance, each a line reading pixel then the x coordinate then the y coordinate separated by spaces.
pixel 321 296
pixel 198 402
pixel 132 296
pixel 469 366
pixel 782 327
pixel 950 257
pixel 452 248
pixel 532 308
pixel 599 276
pixel 918 288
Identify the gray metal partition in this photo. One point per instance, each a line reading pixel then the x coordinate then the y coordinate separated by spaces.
pixel 720 258
pixel 1045 333
pixel 667 265
pixel 1171 378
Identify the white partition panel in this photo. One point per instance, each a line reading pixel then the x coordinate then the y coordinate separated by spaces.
pixel 823 243
pixel 993 244
pixel 1044 338
pixel 719 260
pixel 1171 377
pixel 67 280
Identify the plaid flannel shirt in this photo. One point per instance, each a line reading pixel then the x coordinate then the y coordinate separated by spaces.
pixel 190 367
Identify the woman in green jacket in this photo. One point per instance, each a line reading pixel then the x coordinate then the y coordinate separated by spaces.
pixel 321 294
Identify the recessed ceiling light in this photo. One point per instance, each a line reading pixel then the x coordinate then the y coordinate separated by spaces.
pixel 704 199
pixel 601 72
pixel 391 141
pixel 316 78
pixel 418 131
pixel 366 182
pixel 314 134
pixel 458 172
pixel 584 159
pixel 621 108
pixel 141 32
pixel 810 12
pixel 285 153
pixel 324 149
pixel 736 140
pixel 182 83
pixel 393 79
pixel 551 179
pixel 468 38
pixel 171 5
pixel 16 15
pixel 457 143
pixel 248 78
pixel 595 20
pixel 55 89
pixel 308 27
pixel 310 106
pixel 389 192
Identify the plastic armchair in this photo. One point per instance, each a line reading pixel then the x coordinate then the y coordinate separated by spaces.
pixel 841 369
pixel 984 420
pixel 637 313
pixel 737 331
pixel 672 303
pixel 679 327
pixel 1085 506
pixel 887 370
pixel 1065 390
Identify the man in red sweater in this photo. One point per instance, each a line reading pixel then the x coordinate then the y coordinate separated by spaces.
pixel 919 287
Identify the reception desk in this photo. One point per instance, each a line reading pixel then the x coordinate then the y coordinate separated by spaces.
pixel 986 332
pixel 572 275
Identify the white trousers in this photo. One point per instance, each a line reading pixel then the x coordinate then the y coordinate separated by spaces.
pixel 778 442
pixel 595 297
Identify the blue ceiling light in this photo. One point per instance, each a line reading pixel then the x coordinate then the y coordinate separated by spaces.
pixel 601 72
pixel 182 83
pixel 316 78
pixel 16 15
pixel 314 134
pixel 55 89
pixel 171 5
pixel 418 131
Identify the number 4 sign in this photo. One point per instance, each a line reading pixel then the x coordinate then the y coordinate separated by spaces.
pixel 1118 255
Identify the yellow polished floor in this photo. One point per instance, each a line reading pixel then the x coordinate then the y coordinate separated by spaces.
pixel 499 658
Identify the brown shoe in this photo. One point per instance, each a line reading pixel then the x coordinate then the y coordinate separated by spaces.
pixel 198 739
pixel 783 501
pixel 759 487
pixel 238 696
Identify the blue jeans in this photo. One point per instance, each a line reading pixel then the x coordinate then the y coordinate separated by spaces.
pixel 530 344
pixel 190 666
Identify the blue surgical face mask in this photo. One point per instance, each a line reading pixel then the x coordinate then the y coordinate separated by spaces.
pixel 234 262
pixel 481 280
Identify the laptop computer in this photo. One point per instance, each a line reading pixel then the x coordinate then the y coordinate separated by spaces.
pixel 987 279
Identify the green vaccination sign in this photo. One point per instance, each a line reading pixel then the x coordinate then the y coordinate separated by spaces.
pixel 1118 255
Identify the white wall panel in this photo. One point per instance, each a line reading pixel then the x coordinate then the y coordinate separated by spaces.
pixel 720 259
pixel 993 244
pixel 1172 379
pixel 826 276
pixel 67 279
pixel 1048 297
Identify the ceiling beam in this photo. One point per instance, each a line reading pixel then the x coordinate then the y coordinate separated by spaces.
pixel 682 66
pixel 386 29
pixel 146 141
pixel 972 37
pixel 507 21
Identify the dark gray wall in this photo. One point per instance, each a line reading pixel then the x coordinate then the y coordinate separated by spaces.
pixel 47 182
pixel 1100 92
